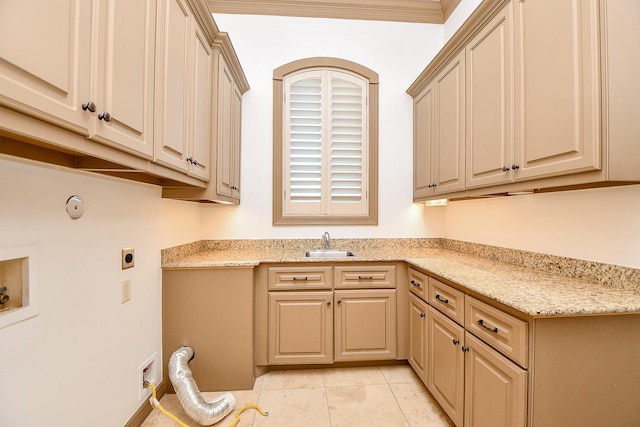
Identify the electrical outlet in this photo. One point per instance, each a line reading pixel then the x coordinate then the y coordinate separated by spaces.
pixel 125 291
pixel 147 371
pixel 127 258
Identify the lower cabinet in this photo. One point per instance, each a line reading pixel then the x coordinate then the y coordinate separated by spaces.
pixel 300 327
pixel 495 388
pixel 311 321
pixel 365 324
pixel 210 310
pixel 445 378
pixel 418 310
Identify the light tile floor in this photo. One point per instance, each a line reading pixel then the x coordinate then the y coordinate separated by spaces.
pixel 386 396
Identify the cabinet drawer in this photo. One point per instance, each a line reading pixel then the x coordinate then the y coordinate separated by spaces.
pixel 365 276
pixel 500 330
pixel 448 300
pixel 418 283
pixel 300 278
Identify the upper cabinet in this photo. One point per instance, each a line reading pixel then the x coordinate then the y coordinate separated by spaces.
pixel 46 60
pixel 96 80
pixel 439 132
pixel 557 79
pixel 183 96
pixel 120 88
pixel 228 85
pixel 540 94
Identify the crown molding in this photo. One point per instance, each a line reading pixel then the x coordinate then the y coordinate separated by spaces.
pixel 418 11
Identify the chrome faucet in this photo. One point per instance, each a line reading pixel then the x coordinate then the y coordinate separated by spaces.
pixel 325 238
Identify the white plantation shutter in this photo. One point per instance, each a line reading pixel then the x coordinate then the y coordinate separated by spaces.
pixel 325 126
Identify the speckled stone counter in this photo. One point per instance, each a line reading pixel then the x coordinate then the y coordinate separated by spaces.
pixel 536 284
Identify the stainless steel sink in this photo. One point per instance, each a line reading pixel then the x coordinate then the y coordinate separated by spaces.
pixel 328 253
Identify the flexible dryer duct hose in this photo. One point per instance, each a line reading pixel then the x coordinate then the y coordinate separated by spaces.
pixel 203 412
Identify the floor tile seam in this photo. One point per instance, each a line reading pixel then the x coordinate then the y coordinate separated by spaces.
pixel 395 397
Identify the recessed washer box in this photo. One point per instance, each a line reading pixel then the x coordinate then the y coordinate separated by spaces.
pixel 18 284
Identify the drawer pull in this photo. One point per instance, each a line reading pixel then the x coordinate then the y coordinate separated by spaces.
pixel 365 277
pixel 488 328
pixel 300 279
pixel 414 283
pixel 442 300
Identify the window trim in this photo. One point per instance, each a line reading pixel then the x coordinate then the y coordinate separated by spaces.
pixel 278 144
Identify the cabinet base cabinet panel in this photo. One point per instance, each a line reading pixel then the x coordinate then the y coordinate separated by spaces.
pixel 300 328
pixel 210 311
pixel 445 378
pixel 418 336
pixel 495 388
pixel 365 325
pixel 587 371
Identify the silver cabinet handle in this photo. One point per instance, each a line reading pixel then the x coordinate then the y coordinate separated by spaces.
pixel 365 277
pixel 105 116
pixel 90 106
pixel 300 278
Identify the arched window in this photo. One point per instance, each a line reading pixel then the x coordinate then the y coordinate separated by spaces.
pixel 325 143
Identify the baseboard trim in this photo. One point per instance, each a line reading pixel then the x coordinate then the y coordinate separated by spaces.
pixel 145 408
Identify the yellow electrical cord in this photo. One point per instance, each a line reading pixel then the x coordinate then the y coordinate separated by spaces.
pixel 247 406
pixel 155 404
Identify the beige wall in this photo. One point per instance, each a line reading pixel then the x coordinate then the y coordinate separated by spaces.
pixel 76 363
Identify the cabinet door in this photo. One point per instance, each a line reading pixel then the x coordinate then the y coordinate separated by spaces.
pixel 448 149
pixel 226 144
pixel 423 134
pixel 200 144
pixel 300 328
pixel 446 364
pixel 418 336
pixel 236 142
pixel 489 118
pixel 45 64
pixel 495 388
pixel 556 80
pixel 365 322
pixel 123 81
pixel 172 94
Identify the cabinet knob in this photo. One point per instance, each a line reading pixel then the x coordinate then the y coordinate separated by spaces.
pixel 515 167
pixel 233 187
pixel 506 169
pixel 328 302
pixel 195 162
pixel 105 116
pixel 414 283
pixel 456 341
pixel 90 106
pixel 422 314
pixel 465 348
pixel 339 301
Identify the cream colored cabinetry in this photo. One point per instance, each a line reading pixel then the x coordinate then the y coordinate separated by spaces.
pixel 557 75
pixel 418 310
pixel 365 324
pixel 489 108
pixel 183 121
pixel 228 86
pixel 311 323
pixel 445 378
pixel 211 311
pixel 47 80
pixel 91 71
pixel 300 327
pixel 454 367
pixel 495 388
pixel 439 131
pixel 548 96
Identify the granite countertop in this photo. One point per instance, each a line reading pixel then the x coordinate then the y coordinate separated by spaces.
pixel 531 291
